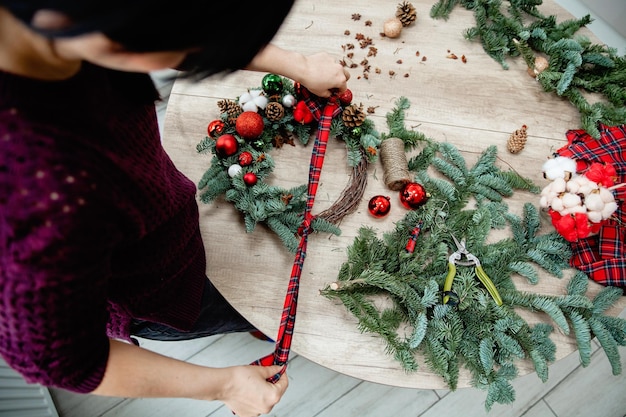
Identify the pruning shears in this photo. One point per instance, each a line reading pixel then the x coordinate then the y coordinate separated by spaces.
pixel 456 259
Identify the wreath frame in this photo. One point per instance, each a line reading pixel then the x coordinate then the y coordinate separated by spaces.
pixel 282 209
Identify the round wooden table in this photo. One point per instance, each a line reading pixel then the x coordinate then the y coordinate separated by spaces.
pixel 472 103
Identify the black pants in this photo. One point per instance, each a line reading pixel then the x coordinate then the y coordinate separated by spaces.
pixel 216 317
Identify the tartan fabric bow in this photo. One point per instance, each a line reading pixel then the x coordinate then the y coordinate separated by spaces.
pixel 323 112
pixel 602 256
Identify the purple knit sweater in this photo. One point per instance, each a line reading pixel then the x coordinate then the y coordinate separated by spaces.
pixel 96 224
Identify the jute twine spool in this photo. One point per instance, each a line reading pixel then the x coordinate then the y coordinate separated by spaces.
pixel 395 166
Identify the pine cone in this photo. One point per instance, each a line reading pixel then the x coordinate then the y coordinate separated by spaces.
pixel 517 140
pixel 353 116
pixel 232 108
pixel 406 13
pixel 274 111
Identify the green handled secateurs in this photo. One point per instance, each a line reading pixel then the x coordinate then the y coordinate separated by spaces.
pixel 454 260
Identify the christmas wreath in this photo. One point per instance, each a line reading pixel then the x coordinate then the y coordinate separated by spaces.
pixel 277 113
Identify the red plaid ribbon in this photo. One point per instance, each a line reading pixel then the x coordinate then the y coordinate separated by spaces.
pixel 602 256
pixel 323 113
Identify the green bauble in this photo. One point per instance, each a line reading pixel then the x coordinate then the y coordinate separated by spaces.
pixel 272 84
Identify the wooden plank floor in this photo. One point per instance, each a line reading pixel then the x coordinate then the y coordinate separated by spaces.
pixel 315 391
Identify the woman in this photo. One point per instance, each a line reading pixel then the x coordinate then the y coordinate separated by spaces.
pixel 99 236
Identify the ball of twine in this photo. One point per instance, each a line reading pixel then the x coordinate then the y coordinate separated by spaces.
pixel 395 166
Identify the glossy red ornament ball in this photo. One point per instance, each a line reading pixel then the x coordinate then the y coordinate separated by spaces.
pixel 413 195
pixel 379 205
pixel 250 178
pixel 215 128
pixel 245 158
pixel 345 97
pixel 226 145
pixel 249 125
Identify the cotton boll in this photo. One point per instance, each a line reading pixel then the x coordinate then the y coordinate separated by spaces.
pixel 606 195
pixel 574 210
pixel 594 202
pixel 557 205
pixel 609 209
pixel 559 185
pixel 571 200
pixel 594 216
pixel 559 167
pixel 543 202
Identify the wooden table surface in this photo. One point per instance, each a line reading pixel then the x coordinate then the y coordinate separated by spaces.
pixel 472 105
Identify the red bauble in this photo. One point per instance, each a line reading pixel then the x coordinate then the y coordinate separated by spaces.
pixel 249 125
pixel 245 158
pixel 226 145
pixel 346 97
pixel 250 178
pixel 215 128
pixel 413 195
pixel 379 205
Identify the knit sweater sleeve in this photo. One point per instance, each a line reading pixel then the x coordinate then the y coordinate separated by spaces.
pixel 54 252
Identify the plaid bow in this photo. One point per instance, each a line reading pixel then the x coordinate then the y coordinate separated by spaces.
pixel 323 112
pixel 602 256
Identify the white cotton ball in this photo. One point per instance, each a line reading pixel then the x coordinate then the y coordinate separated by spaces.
pixel 606 195
pixel 543 202
pixel 245 97
pixel 573 210
pixel 559 185
pixel 557 205
pixel 594 216
pixel 571 200
pixel 609 209
pixel 558 167
pixel 261 101
pixel 250 106
pixel 573 185
pixel 594 202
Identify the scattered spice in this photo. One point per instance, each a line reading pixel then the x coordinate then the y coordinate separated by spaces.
pixel 417 53
pixel 356 16
pixel 399 61
pixel 368 23
pixel 424 58
pixel 406 75
pixel 452 56
pixel 346 32
pixel 464 59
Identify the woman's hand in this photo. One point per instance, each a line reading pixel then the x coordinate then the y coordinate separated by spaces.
pixel 324 75
pixel 320 73
pixel 248 394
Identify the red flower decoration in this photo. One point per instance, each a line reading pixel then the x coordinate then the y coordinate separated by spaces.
pixel 302 113
pixel 573 226
pixel 602 174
